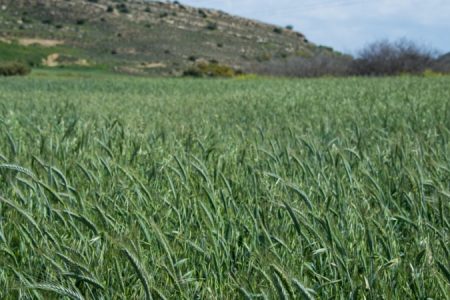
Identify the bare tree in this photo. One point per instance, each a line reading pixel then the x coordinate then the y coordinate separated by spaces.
pixel 393 58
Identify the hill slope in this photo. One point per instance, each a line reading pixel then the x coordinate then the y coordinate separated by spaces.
pixel 146 37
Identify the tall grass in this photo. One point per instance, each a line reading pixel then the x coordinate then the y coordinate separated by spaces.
pixel 123 188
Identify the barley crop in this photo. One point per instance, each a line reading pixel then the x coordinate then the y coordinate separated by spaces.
pixel 133 188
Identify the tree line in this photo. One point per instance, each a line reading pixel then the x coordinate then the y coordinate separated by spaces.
pixel 380 58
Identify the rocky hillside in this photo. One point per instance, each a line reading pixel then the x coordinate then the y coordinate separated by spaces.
pixel 143 37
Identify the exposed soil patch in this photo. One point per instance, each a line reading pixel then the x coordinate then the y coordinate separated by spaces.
pixel 152 65
pixel 55 60
pixel 40 42
pixel 51 60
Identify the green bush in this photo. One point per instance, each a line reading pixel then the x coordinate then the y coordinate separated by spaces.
pixel 278 30
pixel 212 26
pixel 31 55
pixel 202 13
pixel 14 69
pixel 123 8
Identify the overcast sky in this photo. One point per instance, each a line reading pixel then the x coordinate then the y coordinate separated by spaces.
pixel 348 25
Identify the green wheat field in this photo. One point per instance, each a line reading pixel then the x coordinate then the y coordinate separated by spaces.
pixel 115 187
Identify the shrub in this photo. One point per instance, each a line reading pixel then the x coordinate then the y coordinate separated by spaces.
pixel 14 69
pixel 206 69
pixel 392 58
pixel 278 30
pixel 181 6
pixel 202 13
pixel 163 14
pixel 193 72
pixel 26 20
pixel 211 26
pixel 123 8
pixel 325 48
pixel 267 56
